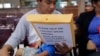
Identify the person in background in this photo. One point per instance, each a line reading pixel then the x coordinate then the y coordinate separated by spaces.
pixel 88 7
pixel 88 31
pixel 25 28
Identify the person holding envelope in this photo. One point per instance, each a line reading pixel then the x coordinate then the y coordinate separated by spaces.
pixel 25 28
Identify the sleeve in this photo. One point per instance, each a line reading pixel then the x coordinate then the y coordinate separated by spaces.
pixel 79 19
pixel 19 34
pixel 80 24
pixel 81 34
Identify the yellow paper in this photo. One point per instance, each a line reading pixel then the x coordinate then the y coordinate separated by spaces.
pixel 50 24
pixel 50 18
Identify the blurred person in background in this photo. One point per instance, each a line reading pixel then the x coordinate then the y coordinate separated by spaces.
pixel 88 7
pixel 88 31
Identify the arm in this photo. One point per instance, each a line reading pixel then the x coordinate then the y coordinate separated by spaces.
pixel 81 32
pixel 18 35
pixel 7 47
pixel 91 45
pixel 5 50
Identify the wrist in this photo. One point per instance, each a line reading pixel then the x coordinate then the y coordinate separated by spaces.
pixel 6 47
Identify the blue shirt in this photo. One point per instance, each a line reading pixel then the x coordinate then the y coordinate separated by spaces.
pixel 50 48
pixel 93 31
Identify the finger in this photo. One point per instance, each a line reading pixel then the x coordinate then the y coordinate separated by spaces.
pixel 65 45
pixel 58 48
pixel 64 51
pixel 59 45
pixel 69 50
pixel 58 52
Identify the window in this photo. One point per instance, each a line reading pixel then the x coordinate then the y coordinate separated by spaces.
pixel 63 4
pixel 1 5
pixel 7 5
pixel 74 3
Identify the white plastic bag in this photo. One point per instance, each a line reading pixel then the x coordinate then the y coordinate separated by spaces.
pixel 29 51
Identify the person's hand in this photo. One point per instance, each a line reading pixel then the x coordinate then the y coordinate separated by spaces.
pixel 91 45
pixel 19 52
pixel 4 52
pixel 62 49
